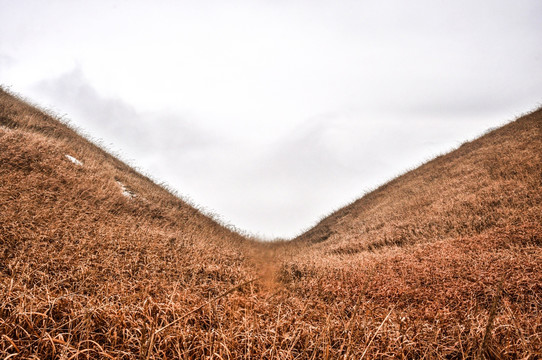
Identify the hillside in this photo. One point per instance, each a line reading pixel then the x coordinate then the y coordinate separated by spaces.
pixel 485 185
pixel 97 261
pixel 452 249
pixel 86 242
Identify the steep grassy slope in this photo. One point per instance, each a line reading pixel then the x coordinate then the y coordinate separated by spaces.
pixel 88 247
pixel 98 262
pixel 486 185
pixel 453 247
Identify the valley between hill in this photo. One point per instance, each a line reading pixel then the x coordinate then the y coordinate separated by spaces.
pixel 97 261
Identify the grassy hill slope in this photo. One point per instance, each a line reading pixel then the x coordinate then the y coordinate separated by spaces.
pixel 97 261
pixel 88 245
pixel 488 184
pixel 452 250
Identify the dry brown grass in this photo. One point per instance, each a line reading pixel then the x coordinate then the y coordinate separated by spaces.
pixel 442 262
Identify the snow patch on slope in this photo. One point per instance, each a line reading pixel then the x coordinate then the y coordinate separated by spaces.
pixel 125 191
pixel 74 160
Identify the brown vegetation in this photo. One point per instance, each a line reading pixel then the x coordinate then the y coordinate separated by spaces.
pixel 97 261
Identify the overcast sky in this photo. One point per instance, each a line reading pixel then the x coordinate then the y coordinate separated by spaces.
pixel 274 113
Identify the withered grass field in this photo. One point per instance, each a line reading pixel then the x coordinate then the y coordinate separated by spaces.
pixel 98 262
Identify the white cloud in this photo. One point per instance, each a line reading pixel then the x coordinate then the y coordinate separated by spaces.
pixel 272 113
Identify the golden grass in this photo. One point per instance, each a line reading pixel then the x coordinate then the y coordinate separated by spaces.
pixel 442 262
